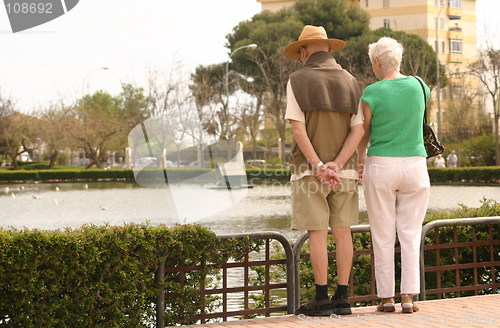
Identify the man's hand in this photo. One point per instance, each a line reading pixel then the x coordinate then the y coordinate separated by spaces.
pixel 328 174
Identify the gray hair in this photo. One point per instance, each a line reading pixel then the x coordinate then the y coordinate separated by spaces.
pixel 388 51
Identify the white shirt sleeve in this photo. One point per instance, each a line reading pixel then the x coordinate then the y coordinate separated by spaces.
pixel 359 118
pixel 293 111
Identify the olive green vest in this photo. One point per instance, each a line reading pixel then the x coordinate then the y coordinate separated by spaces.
pixel 328 96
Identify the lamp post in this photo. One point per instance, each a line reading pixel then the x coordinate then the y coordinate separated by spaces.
pixel 438 76
pixel 88 74
pixel 250 46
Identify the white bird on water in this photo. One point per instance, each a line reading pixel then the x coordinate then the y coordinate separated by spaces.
pixel 6 190
pixel 57 188
pixel 58 202
pixel 36 196
pixel 86 186
pixel 13 195
pixel 103 207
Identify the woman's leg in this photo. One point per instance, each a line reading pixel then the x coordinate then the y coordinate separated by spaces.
pixel 412 200
pixel 380 198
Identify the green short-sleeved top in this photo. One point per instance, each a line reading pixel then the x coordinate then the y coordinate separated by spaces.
pixel 397 108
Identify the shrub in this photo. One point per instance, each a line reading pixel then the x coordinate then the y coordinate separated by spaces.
pixel 478 175
pixel 476 151
pixel 103 276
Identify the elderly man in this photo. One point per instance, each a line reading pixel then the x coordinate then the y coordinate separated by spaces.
pixel 322 108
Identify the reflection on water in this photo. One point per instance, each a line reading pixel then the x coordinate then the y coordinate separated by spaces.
pixel 265 207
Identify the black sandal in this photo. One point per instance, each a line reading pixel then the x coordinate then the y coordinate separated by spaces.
pixel 316 308
pixel 341 306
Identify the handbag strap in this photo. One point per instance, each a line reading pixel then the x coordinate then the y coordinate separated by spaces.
pixel 425 96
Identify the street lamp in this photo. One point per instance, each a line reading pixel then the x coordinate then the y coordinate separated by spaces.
pixel 250 46
pixel 438 90
pixel 88 74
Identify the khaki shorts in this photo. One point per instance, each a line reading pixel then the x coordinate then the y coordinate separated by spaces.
pixel 316 207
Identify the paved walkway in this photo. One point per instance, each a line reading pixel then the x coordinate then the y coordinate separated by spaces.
pixel 464 312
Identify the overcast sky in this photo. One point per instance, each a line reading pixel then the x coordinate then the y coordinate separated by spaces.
pixel 61 59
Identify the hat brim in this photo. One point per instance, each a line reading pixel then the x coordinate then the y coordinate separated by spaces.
pixel 292 51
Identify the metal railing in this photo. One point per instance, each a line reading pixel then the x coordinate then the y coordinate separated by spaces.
pixel 458 266
pixel 294 255
pixel 225 311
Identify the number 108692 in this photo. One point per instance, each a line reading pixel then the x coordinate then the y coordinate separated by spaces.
pixel 29 8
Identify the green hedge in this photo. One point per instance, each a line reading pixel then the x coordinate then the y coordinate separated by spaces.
pixel 465 175
pixel 487 174
pixel 97 175
pixel 255 176
pixel 102 276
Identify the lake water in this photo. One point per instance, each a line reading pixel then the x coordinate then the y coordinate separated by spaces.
pixel 265 207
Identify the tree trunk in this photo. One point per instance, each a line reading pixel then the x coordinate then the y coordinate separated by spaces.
pixel 282 146
pixel 53 158
pixel 14 160
pixel 254 144
pixel 497 144
pixel 94 160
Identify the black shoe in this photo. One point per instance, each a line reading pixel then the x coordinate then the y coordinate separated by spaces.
pixel 316 308
pixel 341 306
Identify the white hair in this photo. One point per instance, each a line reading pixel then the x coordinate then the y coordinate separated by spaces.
pixel 388 51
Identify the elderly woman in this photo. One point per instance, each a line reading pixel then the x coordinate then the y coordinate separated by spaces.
pixel 396 182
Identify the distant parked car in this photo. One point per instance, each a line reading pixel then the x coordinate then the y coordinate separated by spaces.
pixel 169 163
pixel 255 163
pixel 146 162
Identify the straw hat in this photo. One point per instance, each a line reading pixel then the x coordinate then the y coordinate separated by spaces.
pixel 312 34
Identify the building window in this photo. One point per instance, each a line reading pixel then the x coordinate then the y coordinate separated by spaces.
pixel 442 47
pixel 387 23
pixel 441 23
pixel 441 3
pixel 456 3
pixel 455 46
pixel 366 2
pixel 386 3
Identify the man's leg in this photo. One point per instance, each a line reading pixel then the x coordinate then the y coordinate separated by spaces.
pixel 319 255
pixel 343 243
pixel 310 212
pixel 344 212
pixel 344 251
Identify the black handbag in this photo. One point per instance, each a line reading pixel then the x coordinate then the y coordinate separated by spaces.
pixel 433 146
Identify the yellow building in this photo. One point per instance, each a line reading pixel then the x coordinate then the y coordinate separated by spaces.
pixel 449 25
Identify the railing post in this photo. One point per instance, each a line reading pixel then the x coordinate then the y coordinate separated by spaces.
pixel 160 301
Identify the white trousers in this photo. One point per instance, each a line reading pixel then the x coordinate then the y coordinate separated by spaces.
pixel 396 194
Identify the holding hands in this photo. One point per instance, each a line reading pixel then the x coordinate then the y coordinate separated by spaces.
pixel 327 174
